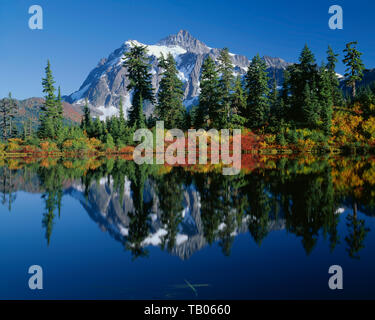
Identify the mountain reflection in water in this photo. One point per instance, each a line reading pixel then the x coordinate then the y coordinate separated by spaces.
pixel 322 207
pixel 183 209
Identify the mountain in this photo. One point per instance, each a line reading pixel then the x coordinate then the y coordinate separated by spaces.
pixel 110 211
pixel 368 76
pixel 107 82
pixel 29 110
pixel 368 79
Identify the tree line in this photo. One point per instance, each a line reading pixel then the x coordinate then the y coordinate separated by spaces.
pixel 226 100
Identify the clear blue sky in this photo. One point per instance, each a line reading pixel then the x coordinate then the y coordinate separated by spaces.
pixel 77 33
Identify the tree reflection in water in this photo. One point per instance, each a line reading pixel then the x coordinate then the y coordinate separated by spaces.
pixel 304 196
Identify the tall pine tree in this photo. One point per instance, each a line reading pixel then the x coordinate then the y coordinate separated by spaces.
pixel 86 122
pixel 355 66
pixel 336 92
pixel 170 96
pixel 326 97
pixel 209 98
pixel 138 71
pixel 59 115
pixel 49 110
pixel 226 86
pixel 7 114
pixel 238 105
pixel 301 87
pixel 257 90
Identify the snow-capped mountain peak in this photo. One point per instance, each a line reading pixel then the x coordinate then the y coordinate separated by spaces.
pixel 186 41
pixel 107 82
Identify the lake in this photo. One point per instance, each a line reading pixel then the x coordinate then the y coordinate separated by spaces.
pixel 111 229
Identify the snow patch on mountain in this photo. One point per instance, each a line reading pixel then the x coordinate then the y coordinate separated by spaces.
pixel 155 238
pixel 158 50
pixel 107 112
pixel 339 76
pixel 107 83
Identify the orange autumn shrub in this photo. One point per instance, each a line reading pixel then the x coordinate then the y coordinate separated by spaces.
pixel 68 164
pixel 48 146
pixel 368 127
pixel 94 143
pixel 127 150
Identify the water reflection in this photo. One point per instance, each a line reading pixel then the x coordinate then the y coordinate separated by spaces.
pixel 183 209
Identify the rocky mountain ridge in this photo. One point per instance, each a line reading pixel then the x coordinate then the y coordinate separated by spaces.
pixel 107 82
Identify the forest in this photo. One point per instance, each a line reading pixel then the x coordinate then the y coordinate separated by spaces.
pixel 311 112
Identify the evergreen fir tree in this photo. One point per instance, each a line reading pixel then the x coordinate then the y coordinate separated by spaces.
pixel 123 130
pixel 140 120
pixel 121 113
pixel 59 116
pixel 48 110
pixel 284 95
pixel 326 98
pixel 226 86
pixel 355 66
pixel 238 105
pixel 7 113
pixel 209 98
pixel 98 130
pixel 138 68
pixel 115 129
pixel 192 117
pixel 170 97
pixel 27 128
pixel 277 105
pixel 258 103
pixel 301 86
pixel 86 122
pixel 274 96
pixel 310 115
pixel 336 93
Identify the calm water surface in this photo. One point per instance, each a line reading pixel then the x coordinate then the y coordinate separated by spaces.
pixel 110 229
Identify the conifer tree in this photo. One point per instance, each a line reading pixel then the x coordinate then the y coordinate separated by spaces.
pixel 170 96
pixel 301 87
pixel 48 110
pixel 138 68
pixel 238 99
pixel 114 129
pixel 123 130
pixel 278 113
pixel 355 66
pixel 7 113
pixel 274 96
pixel 336 93
pixel 258 103
pixel 98 130
pixel 121 113
pixel 209 97
pixel 310 115
pixel 59 116
pixel 326 92
pixel 285 94
pixel 86 122
pixel 238 104
pixel 26 125
pixel 306 75
pixel 226 86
